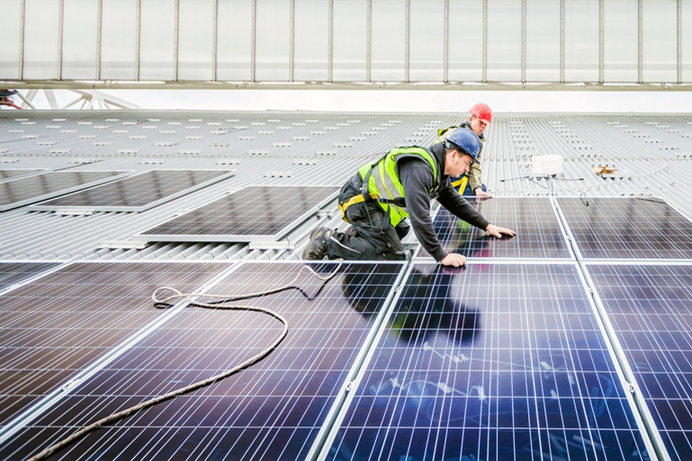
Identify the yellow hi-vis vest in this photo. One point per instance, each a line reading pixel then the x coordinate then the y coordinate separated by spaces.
pixel 383 182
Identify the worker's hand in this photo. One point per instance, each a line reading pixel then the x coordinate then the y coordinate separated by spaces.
pixel 498 232
pixel 454 260
pixel 483 194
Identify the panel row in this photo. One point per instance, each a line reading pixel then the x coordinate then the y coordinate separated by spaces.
pixel 487 361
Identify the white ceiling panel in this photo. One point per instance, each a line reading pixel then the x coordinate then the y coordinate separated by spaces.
pixel 10 41
pixel 404 43
pixel 42 51
pixel 119 40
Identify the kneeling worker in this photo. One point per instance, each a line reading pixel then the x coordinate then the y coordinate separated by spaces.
pixel 402 183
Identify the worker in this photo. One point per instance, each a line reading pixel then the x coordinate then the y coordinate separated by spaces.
pixel 399 184
pixel 470 184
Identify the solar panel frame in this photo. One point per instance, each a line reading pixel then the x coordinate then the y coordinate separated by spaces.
pixel 649 322
pixel 540 235
pixel 631 237
pixel 153 234
pixel 47 195
pixel 362 386
pixel 298 385
pixel 58 203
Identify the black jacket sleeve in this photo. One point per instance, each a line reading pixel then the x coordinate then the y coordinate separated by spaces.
pixel 417 179
pixel 459 207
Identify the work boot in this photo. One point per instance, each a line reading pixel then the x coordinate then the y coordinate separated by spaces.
pixel 317 246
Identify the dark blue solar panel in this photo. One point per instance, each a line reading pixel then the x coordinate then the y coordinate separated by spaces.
pixel 11 273
pixel 491 362
pixel 650 308
pixel 137 193
pixel 249 213
pixel 533 218
pixel 625 227
pixel 55 326
pixel 25 190
pixel 270 411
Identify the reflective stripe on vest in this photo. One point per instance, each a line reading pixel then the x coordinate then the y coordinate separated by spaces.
pixel 383 180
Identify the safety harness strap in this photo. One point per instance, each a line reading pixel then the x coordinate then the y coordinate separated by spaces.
pixel 460 184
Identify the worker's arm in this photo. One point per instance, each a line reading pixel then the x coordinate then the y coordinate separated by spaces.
pixel 417 179
pixel 460 207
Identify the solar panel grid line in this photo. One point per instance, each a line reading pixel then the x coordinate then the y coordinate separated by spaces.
pixel 644 413
pixel 139 192
pixel 645 302
pixel 582 391
pixel 326 435
pixel 548 445
pixel 626 228
pixel 185 410
pixel 319 451
pixel 82 376
pixel 539 231
pixel 611 348
pixel 648 420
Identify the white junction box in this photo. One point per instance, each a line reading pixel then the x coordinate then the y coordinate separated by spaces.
pixel 550 165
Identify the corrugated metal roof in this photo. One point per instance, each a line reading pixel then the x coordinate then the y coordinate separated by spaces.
pixel 651 154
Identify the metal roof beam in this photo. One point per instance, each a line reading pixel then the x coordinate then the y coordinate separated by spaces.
pixel 305 85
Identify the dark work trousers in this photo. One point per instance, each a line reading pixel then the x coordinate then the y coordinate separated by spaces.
pixel 371 236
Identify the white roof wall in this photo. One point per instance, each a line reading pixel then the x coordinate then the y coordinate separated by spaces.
pixel 343 41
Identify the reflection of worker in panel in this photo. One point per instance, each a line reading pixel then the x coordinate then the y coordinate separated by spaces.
pixel 470 183
pixel 401 183
pixel 426 307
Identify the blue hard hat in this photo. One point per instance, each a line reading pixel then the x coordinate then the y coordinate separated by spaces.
pixel 465 141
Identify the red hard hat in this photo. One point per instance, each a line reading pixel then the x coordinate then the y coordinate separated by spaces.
pixel 483 112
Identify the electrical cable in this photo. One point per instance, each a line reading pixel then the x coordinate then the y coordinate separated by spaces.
pixel 191 298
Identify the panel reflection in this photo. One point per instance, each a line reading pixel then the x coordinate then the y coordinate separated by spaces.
pixel 490 362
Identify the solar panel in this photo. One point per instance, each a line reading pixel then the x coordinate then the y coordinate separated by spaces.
pixel 11 273
pixel 539 234
pixel 57 325
pixel 501 361
pixel 10 174
pixel 139 192
pixel 24 191
pixel 650 308
pixel 272 410
pixel 626 227
pixel 251 214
